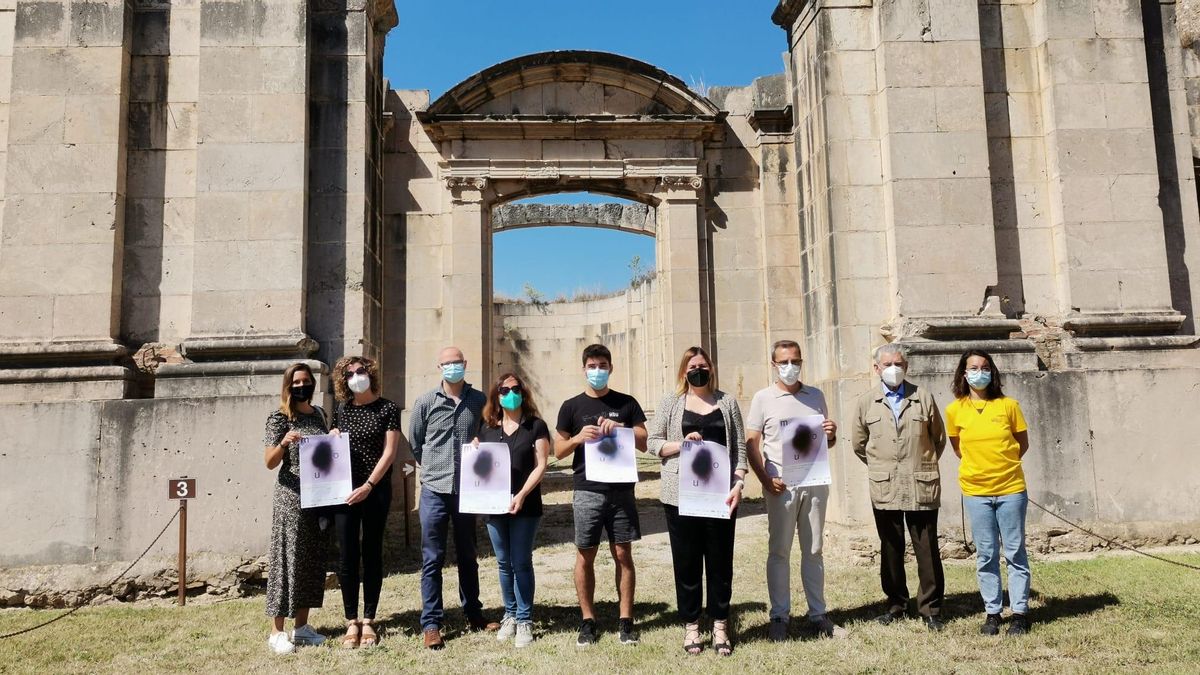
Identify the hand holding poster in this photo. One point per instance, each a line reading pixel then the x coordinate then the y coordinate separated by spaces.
pixel 704 475
pixel 611 459
pixel 805 452
pixel 324 470
pixel 485 479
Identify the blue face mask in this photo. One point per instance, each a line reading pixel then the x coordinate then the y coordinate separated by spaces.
pixel 979 379
pixel 597 378
pixel 454 372
pixel 511 401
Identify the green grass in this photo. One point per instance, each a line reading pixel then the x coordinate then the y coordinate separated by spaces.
pixel 1099 615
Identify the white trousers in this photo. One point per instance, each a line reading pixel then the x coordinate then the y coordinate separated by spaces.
pixel 796 512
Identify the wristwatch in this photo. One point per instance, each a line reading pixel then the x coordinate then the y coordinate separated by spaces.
pixel 739 483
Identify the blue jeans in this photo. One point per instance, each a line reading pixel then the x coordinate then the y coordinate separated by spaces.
pixel 996 519
pixel 512 539
pixel 438 512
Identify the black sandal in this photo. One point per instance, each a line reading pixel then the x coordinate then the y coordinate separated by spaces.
pixel 721 628
pixel 692 645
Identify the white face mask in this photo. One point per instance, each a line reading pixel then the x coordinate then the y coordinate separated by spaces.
pixel 788 374
pixel 359 383
pixel 892 376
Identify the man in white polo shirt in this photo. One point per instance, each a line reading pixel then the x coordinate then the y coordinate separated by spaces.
pixel 790 510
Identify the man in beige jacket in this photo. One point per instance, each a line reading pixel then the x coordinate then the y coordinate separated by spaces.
pixel 898 433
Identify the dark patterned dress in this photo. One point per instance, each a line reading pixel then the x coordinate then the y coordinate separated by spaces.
pixel 296 577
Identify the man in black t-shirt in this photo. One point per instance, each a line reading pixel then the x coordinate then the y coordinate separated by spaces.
pixel 600 507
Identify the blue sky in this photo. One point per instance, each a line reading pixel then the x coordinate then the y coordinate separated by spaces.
pixel 709 42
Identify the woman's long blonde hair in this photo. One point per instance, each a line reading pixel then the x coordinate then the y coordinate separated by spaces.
pixel 681 383
pixel 286 406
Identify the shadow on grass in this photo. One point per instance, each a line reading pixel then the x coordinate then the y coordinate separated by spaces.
pixel 960 605
pixel 547 619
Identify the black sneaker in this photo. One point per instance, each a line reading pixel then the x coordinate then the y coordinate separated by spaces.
pixel 629 636
pixel 934 624
pixel 889 618
pixel 587 633
pixel 1018 624
pixel 991 625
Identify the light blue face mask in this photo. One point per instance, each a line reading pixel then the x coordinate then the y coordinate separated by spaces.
pixel 511 401
pixel 979 379
pixel 454 372
pixel 597 378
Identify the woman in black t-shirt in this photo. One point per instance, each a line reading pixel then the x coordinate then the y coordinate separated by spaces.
pixel 373 423
pixel 511 417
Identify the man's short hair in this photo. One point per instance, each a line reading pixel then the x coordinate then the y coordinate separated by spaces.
pixel 891 348
pixel 597 351
pixel 783 344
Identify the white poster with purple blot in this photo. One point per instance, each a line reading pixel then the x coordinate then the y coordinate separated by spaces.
pixel 805 451
pixel 611 459
pixel 324 470
pixel 704 477
pixel 485 479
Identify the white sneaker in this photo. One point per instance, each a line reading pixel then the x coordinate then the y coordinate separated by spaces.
pixel 524 634
pixel 305 635
pixel 508 628
pixel 280 644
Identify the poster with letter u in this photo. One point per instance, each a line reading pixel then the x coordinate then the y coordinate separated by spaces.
pixel 485 479
pixel 324 470
pixel 611 459
pixel 704 476
pixel 805 451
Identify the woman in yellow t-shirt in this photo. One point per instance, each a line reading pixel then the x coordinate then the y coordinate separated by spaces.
pixel 988 433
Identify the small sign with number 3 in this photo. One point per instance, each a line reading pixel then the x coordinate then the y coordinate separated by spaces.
pixel 181 488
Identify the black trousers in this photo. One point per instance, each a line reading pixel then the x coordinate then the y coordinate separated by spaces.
pixel 365 519
pixel 699 546
pixel 922 529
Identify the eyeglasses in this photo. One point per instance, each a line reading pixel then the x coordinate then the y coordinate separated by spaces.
pixel 516 388
pixel 452 363
pixel 357 371
pixel 792 362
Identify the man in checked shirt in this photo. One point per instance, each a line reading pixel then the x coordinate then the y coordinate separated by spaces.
pixel 442 421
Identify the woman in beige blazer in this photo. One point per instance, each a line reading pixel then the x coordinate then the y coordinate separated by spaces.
pixel 698 411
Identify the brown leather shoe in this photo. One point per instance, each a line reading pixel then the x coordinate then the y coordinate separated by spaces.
pixel 480 623
pixel 433 638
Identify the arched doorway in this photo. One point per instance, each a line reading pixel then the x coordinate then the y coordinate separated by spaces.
pixel 549 123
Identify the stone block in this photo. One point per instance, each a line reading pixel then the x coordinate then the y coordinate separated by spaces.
pixel 278 118
pixel 63 169
pixel 1086 198
pixel 1118 19
pixel 230 70
pixel 6 79
pixel 277 216
pixel 855 162
pixel 41 24
pixel 905 21
pixel 1135 197
pixel 850 117
pixel 30 219
pixel 1106 245
pixel 1127 106
pixel 849 29
pixel 8 21
pixel 923 250
pixel 183 82
pixel 861 254
pixel 965 201
pixel 1095 60
pixel 88 218
pixel 36 120
pixel 250 167
pixel 938 155
pixel 283 23
pixel 224 119
pixel 97 23
pixel 83 316
pixel 910 109
pixel 851 73
pixel 1068 19
pixel 960 109
pixel 226 23
pixel 92 119
pixel 953 20
pixel 1095 290
pixel 1024 114
pixel 184 31
pixel 90 70
pixel 222 216
pixel 234 312
pixel 25 317
pixel 62 269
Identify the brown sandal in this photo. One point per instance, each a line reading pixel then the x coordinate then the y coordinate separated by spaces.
pixel 369 637
pixel 352 637
pixel 721 642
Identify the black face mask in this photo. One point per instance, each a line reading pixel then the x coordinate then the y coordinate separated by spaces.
pixel 303 392
pixel 699 377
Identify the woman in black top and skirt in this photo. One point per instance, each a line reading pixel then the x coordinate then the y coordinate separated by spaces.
pixel 296 581
pixel 510 416
pixel 698 411
pixel 373 423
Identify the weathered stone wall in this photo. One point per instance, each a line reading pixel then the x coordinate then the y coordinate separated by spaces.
pixel 544 343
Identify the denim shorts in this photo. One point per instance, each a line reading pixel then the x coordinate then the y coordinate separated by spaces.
pixel 614 511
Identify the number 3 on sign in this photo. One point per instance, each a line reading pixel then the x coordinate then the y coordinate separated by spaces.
pixel 181 488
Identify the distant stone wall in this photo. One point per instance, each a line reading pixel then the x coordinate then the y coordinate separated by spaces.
pixel 545 343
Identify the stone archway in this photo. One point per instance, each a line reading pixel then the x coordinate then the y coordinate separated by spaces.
pixel 560 122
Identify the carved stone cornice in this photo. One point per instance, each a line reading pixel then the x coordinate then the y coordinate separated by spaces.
pixel 460 172
pixel 684 182
pixel 466 183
